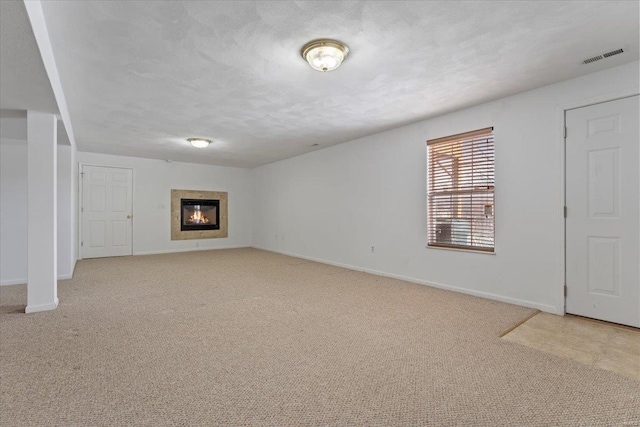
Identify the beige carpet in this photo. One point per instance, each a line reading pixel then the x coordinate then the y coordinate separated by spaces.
pixel 251 338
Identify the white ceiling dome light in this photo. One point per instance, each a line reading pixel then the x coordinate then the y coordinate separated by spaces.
pixel 324 54
pixel 199 142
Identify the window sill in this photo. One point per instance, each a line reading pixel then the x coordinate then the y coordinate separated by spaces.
pixel 461 250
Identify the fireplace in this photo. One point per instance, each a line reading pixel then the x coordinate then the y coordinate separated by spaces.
pixel 199 214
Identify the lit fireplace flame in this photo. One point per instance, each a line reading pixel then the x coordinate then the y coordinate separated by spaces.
pixel 198 217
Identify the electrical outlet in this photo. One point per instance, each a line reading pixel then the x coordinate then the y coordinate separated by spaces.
pixel 197 244
pixel 373 249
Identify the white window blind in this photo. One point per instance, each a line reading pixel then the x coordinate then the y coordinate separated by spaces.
pixel 460 186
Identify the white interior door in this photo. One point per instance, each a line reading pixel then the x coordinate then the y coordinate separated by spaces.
pixel 603 204
pixel 107 200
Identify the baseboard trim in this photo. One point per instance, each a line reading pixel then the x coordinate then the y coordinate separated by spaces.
pixel 69 276
pixel 171 251
pixel 13 282
pixel 495 297
pixel 73 268
pixel 24 281
pixel 42 307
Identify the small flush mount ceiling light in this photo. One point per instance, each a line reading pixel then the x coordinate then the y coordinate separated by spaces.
pixel 199 142
pixel 325 54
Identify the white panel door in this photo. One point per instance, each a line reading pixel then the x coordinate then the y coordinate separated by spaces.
pixel 107 200
pixel 603 211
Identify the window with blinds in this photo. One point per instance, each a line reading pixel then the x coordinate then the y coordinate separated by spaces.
pixel 460 187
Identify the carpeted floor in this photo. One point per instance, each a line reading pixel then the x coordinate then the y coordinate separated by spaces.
pixel 245 337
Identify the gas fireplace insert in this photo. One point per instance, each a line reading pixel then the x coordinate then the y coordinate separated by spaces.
pixel 199 214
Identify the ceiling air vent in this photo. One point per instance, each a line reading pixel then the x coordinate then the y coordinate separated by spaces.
pixel 613 52
pixel 592 59
pixel 602 56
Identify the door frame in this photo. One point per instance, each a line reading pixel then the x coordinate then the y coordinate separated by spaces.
pixel 561 112
pixel 81 166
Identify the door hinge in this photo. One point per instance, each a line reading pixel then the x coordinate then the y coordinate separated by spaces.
pixel 82 209
pixel 565 290
pixel 565 131
pixel 565 211
pixel 81 243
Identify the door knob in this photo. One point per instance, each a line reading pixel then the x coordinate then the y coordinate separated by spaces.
pixel 128 216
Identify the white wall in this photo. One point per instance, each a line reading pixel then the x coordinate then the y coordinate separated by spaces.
pixel 13 213
pixel 66 214
pixel 334 204
pixel 153 181
pixel 76 204
pixel 13 208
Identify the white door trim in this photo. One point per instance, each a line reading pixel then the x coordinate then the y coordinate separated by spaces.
pixel 81 165
pixel 561 111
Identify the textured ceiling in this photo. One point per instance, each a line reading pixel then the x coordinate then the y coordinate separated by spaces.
pixel 24 84
pixel 139 77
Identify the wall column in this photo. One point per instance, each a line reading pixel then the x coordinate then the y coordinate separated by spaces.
pixel 42 271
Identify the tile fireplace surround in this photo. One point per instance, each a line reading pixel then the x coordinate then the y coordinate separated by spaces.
pixel 176 207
